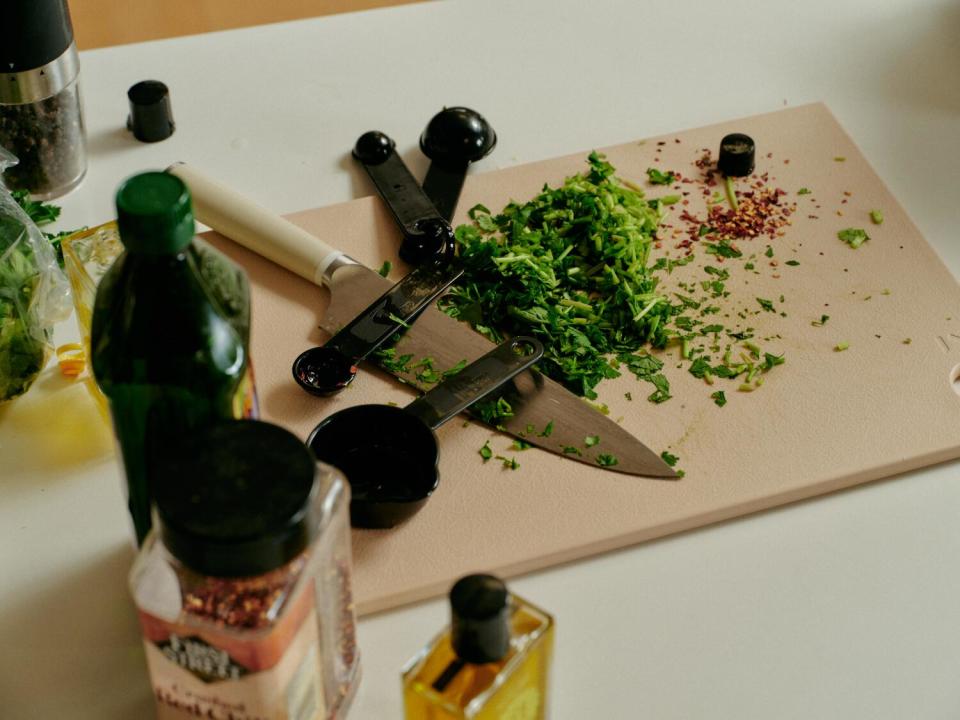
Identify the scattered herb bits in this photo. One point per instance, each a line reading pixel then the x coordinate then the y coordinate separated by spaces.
pixel 385 268
pixel 841 346
pixel 657 177
pixel 876 217
pixel 485 452
pixel 854 237
pixel 669 459
pixel 719 398
pixel 605 460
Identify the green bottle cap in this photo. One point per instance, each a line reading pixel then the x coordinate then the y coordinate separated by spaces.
pixel 154 214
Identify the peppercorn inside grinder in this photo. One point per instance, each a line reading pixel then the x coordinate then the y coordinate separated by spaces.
pixel 243 587
pixel 390 454
pixel 41 119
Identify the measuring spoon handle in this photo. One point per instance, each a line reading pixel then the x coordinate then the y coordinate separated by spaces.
pixel 478 379
pixel 393 311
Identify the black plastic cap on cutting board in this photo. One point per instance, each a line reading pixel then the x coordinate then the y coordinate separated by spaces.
pixel 35 32
pixel 480 619
pixel 151 117
pixel 236 498
pixel 737 155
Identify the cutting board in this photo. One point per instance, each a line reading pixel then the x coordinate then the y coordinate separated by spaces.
pixel 824 420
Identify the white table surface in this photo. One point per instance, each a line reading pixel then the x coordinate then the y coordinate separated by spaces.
pixel 841 607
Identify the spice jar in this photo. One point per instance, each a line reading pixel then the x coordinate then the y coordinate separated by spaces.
pixel 243 586
pixel 41 120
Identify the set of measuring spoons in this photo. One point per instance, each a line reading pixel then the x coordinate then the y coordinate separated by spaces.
pixel 393 471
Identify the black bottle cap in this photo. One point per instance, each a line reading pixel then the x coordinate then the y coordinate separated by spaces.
pixel 235 499
pixel 35 32
pixel 151 117
pixel 737 153
pixel 480 618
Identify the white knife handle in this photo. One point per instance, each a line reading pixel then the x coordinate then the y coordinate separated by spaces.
pixel 256 228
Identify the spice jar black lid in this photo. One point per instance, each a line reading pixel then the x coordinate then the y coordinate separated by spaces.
pixel 235 499
pixel 737 155
pixel 480 618
pixel 36 32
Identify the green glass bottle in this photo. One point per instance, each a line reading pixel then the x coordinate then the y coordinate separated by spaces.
pixel 169 332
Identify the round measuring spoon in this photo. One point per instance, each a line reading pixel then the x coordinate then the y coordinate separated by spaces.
pixel 427 236
pixel 390 455
pixel 454 138
pixel 329 369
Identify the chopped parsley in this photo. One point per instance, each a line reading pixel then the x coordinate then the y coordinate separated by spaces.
pixel 508 463
pixel 519 444
pixel 723 249
pixel 660 178
pixel 591 440
pixel 766 304
pixel 547 431
pixel 485 452
pixel 841 346
pixel 854 237
pixel 605 460
pixel 821 322
pixel 876 217
pixel 803 191
pixel 792 263
pixel 719 398
pixel 385 268
pixel 669 459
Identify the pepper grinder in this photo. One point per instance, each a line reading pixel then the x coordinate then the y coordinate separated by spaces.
pixel 41 121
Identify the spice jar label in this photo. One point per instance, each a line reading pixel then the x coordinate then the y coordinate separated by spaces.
pixel 223 675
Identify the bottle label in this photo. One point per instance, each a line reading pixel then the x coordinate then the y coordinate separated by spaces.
pixel 245 405
pixel 219 674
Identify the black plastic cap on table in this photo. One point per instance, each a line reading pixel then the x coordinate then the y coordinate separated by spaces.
pixel 235 499
pixel 480 619
pixel 737 155
pixel 35 32
pixel 151 117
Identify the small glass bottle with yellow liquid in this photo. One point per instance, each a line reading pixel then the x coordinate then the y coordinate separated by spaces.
pixel 492 663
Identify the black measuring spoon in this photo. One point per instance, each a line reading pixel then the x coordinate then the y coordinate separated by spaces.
pixel 390 454
pixel 426 234
pixel 454 138
pixel 328 369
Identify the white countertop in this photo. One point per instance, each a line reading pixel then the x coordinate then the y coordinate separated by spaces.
pixel 839 607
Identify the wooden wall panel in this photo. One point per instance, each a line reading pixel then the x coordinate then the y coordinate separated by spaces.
pixel 99 23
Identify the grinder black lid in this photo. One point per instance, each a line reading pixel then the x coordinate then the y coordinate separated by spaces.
pixel 36 32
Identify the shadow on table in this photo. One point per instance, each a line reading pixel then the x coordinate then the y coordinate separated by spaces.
pixel 54 427
pixel 72 647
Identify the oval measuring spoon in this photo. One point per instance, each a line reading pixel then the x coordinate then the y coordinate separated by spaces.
pixel 426 234
pixel 328 369
pixel 454 138
pixel 390 455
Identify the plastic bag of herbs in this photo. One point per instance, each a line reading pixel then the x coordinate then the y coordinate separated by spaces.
pixel 34 294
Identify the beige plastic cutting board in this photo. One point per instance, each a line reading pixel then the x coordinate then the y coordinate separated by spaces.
pixel 825 420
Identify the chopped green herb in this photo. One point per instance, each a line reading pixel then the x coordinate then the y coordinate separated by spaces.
pixel 876 217
pixel 662 392
pixel 485 452
pixel 768 252
pixel 719 398
pixel 454 370
pixel 398 320
pixel 854 237
pixel 792 263
pixel 839 158
pixel 385 268
pixel 704 230
pixel 547 431
pixel 571 450
pixel 766 304
pixel 605 460
pixel 803 191
pixel 841 346
pixel 748 266
pixel 821 322
pixel 508 463
pixel 591 440
pixel 519 444
pixel 723 249
pixel 628 396
pixel 669 459
pixel 660 178
pixel 771 361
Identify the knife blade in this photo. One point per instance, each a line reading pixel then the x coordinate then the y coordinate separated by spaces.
pixel 545 413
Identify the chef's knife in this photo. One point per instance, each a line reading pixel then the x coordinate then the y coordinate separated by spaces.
pixel 545 414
